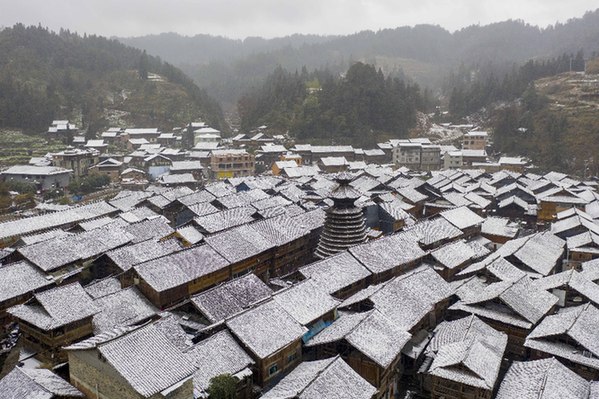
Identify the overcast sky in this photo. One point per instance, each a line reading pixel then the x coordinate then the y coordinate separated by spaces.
pixel 272 18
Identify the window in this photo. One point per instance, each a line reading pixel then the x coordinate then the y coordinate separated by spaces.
pixel 273 369
pixel 291 358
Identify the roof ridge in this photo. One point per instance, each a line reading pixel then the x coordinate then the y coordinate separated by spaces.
pixel 544 381
pixel 22 370
pixel 318 374
pixel 585 307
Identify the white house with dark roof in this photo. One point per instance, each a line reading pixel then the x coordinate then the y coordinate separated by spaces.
pixel 42 177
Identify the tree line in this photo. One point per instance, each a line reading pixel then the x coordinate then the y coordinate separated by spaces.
pixel 471 89
pixel 358 107
pixel 45 75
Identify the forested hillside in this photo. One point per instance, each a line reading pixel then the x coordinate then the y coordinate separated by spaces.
pixel 359 108
pixel 554 123
pixel 93 81
pixel 425 53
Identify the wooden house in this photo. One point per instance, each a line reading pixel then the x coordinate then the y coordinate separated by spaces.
pixel 18 283
pixel 370 343
pixel 320 379
pixel 309 304
pixel 464 219
pixel 498 230
pixel 120 261
pixel 234 296
pixel 291 243
pixel 245 249
pixel 414 301
pixel 569 335
pixel 55 318
pixel 272 338
pixel 513 306
pixel 432 233
pixel 454 257
pixel 389 256
pixel 571 287
pixel 551 205
pixel 454 369
pixel 173 278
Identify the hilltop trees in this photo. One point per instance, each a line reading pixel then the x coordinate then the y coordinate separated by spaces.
pixel 353 109
pixel 45 75
pixel 470 90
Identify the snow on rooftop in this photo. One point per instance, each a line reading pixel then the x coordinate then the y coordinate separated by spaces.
pixel 266 329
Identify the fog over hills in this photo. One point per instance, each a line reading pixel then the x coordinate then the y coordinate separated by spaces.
pixel 424 53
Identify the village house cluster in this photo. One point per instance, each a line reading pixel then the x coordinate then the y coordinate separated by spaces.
pixel 379 283
pixel 134 158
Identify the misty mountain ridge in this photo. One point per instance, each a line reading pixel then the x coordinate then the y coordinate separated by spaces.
pixel 423 53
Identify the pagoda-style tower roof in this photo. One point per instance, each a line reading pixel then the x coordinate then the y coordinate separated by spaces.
pixel 344 224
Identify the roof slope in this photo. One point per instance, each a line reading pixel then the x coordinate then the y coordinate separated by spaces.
pixel 147 360
pixel 266 328
pixel 322 379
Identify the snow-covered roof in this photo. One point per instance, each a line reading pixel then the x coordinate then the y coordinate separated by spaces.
pixel 388 252
pixel 521 303
pixel 322 379
pixel 239 243
pixel 190 233
pixel 467 351
pixel 20 278
pixel 216 355
pixel 336 272
pixel 306 302
pixel 155 229
pixel 55 219
pixel 60 251
pixel 56 307
pixel 225 300
pixel 456 254
pixel 181 267
pixel 185 165
pixel 500 227
pixel 462 217
pixel 127 256
pixel 123 308
pixel 147 360
pixel 183 178
pixel 36 384
pixel 223 220
pixel 546 379
pixel 579 325
pixel 410 297
pixel 266 329
pixel 433 231
pixel 242 198
pixel 35 170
